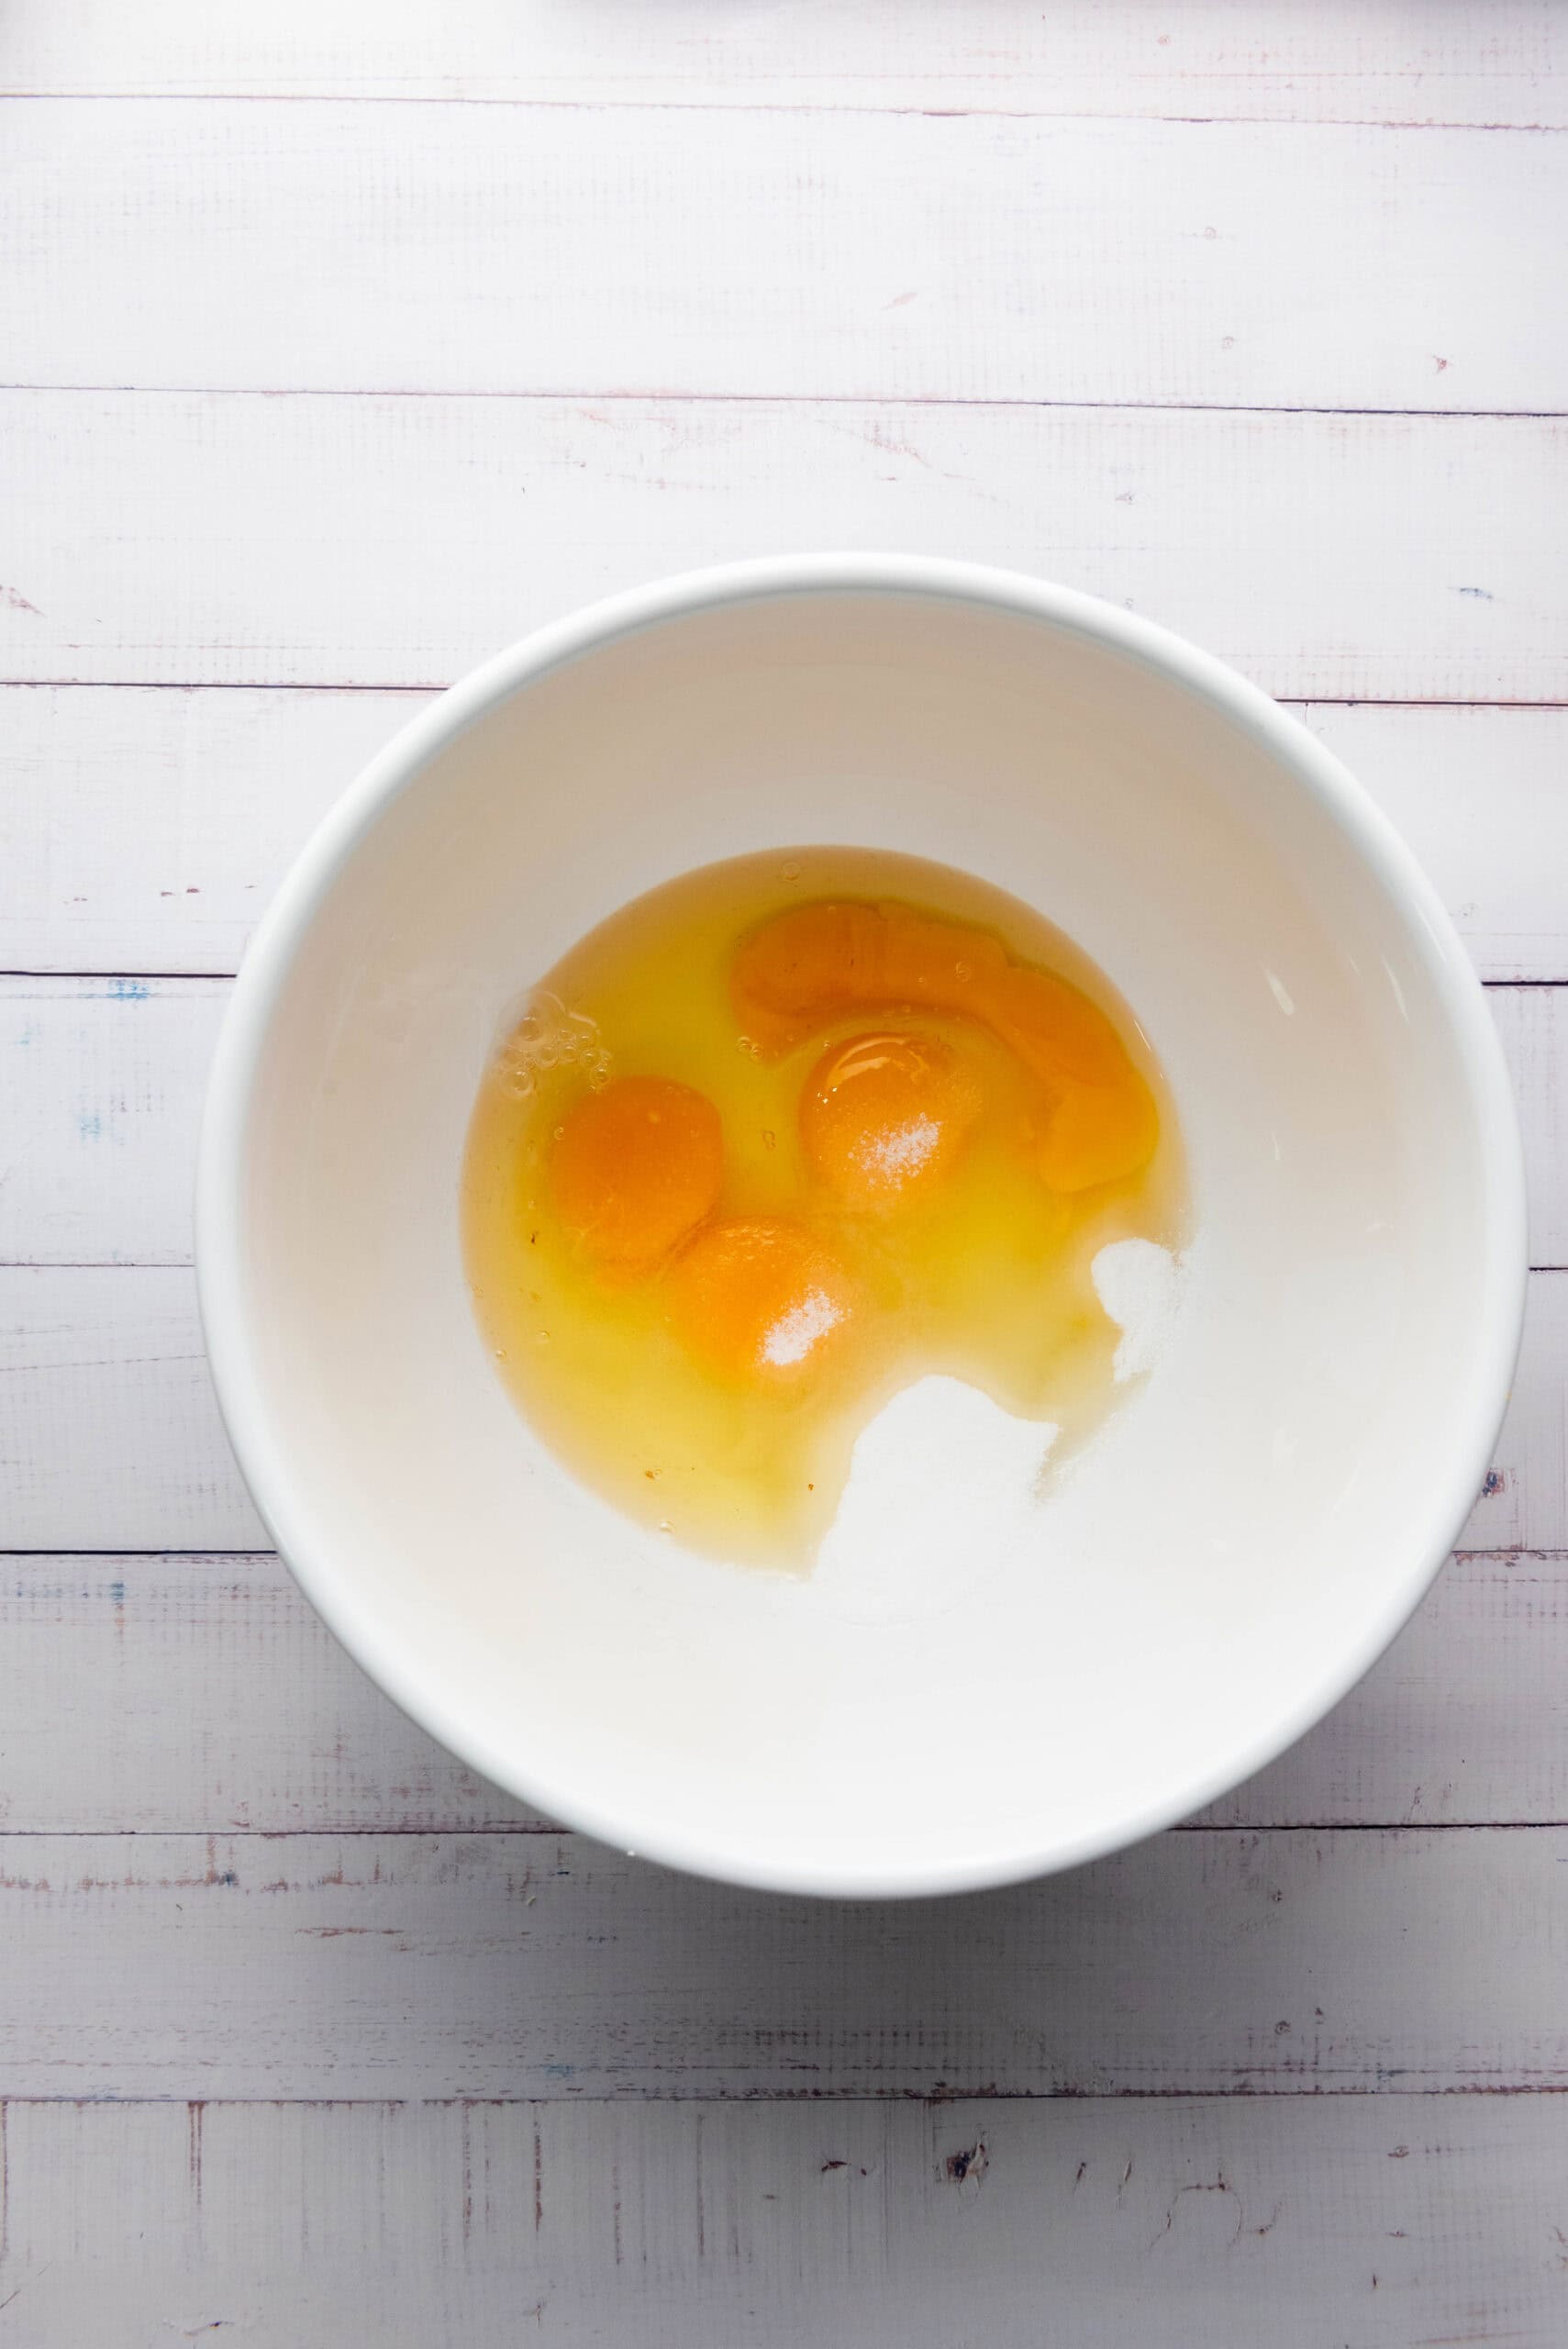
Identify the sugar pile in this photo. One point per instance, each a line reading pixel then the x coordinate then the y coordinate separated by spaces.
pixel 944 1482
pixel 1140 1285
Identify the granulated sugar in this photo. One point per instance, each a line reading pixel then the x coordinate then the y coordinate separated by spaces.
pixel 1140 1285
pixel 944 1482
pixel 940 1477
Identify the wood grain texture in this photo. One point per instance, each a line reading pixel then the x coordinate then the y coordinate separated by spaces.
pixel 110 1437
pixel 105 1079
pixel 784 254
pixel 1534 1024
pixel 108 1417
pixel 1482 797
pixel 526 1966
pixel 203 1693
pixel 1367 60
pixel 244 539
pixel 196 1694
pixel 1465 1717
pixel 1527 1486
pixel 143 830
pixel 1384 2221
pixel 227 1869
pixel 103 1083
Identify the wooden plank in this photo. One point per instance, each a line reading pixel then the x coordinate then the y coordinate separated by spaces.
pixel 143 830
pixel 1482 797
pixel 394 541
pixel 513 1966
pixel 1524 1503
pixel 106 1075
pixel 1387 2222
pixel 180 1694
pixel 1462 1723
pixel 110 1438
pixel 1534 1024
pixel 204 1693
pixel 104 1091
pixel 1402 60
pixel 261 245
pixel 108 1420
pixel 383 1963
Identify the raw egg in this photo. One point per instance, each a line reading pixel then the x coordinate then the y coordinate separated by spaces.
pixel 884 1117
pixel 636 1167
pixel 761 1300
pixel 778 1140
pixel 812 962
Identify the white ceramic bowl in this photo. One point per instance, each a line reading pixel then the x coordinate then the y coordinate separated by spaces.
pixel 1249 1529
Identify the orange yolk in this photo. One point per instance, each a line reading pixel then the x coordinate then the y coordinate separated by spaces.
pixel 813 963
pixel 636 1167
pixel 882 1118
pixel 760 1300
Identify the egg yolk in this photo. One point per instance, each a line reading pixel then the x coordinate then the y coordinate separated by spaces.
pixel 636 1167
pixel 813 963
pixel 883 1118
pixel 760 1299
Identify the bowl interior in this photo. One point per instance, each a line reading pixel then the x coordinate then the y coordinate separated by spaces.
pixel 1250 1525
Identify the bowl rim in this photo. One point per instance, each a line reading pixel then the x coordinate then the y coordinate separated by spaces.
pixel 220 1210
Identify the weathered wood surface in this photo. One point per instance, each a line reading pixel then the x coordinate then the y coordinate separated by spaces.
pixel 1268 60
pixel 650 292
pixel 1387 2221
pixel 145 830
pixel 157 244
pixel 383 541
pixel 202 1694
pixel 110 1437
pixel 1211 1961
pixel 105 1080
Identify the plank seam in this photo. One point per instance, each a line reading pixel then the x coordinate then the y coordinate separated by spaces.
pixel 442 684
pixel 351 685
pixel 1498 1550
pixel 668 396
pixel 183 1263
pixel 215 96
pixel 526 1830
pixel 933 2098
pixel 207 978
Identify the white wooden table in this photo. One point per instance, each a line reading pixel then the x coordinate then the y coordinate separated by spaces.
pixel 341 343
